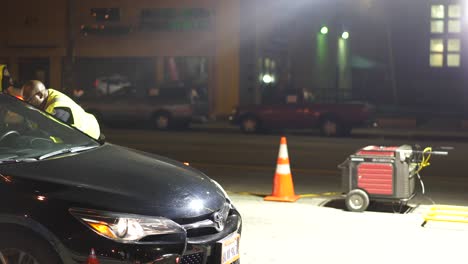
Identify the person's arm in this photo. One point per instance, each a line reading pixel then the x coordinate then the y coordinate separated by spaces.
pixel 64 114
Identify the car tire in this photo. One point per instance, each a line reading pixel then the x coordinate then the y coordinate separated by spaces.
pixel 330 127
pixel 23 248
pixel 161 121
pixel 250 125
pixel 357 200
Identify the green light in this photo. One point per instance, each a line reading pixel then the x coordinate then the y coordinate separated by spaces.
pixel 345 35
pixel 324 30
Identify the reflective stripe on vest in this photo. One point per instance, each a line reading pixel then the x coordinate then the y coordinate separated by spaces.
pixel 82 120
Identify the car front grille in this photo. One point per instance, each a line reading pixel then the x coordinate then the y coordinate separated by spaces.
pixel 198 232
pixel 211 225
pixel 192 259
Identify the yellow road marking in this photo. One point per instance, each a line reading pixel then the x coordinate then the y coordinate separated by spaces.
pixel 447 213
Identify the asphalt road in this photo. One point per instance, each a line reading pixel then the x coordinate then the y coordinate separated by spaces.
pixel 246 163
pixel 307 231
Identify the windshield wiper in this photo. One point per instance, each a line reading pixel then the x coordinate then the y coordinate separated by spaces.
pixel 66 150
pixel 7 161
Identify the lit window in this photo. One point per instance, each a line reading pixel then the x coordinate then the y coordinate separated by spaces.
pixel 437 26
pixel 453 45
pixel 437 11
pixel 437 45
pixel 436 60
pixel 445 49
pixel 454 26
pixel 454 11
pixel 453 60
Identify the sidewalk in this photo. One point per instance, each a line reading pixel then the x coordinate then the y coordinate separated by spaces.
pixel 304 232
pixel 435 130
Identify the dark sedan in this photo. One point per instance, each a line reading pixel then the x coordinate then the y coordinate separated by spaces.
pixel 62 193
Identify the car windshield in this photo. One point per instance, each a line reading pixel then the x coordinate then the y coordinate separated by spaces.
pixel 28 134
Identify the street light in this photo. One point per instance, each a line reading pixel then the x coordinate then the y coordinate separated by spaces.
pixel 267 78
pixel 324 30
pixel 345 35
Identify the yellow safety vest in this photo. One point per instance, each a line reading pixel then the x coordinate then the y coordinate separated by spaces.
pixel 2 68
pixel 81 119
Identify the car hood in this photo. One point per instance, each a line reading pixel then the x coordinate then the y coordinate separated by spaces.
pixel 115 178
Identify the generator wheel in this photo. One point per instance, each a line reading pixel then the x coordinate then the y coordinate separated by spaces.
pixel 357 200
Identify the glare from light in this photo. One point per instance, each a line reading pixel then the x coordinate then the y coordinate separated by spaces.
pixel 196 205
pixel 41 198
pixel 121 227
pixel 345 35
pixel 267 79
pixel 324 30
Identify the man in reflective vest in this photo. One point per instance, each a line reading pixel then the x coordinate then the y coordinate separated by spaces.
pixel 61 106
pixel 7 83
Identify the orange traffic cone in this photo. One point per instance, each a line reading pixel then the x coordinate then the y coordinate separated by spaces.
pixel 92 259
pixel 283 187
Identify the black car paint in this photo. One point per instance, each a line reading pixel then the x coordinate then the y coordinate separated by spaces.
pixel 103 177
pixel 108 178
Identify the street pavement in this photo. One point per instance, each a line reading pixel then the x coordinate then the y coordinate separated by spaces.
pixel 432 131
pixel 314 230
pixel 303 232
pixel 246 163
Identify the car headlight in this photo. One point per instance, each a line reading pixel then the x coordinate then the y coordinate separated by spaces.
pixel 125 228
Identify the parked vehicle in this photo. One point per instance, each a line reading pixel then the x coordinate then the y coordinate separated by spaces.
pixel 63 193
pixel 298 111
pixel 110 84
pixel 163 109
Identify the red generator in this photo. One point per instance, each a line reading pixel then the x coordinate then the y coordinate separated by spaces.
pixel 379 173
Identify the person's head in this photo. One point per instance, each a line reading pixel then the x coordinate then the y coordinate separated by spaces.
pixel 35 92
pixel 6 81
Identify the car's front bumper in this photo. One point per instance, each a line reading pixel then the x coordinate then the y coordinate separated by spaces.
pixel 199 250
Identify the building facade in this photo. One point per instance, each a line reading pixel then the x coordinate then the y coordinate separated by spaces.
pixel 406 53
pixel 78 44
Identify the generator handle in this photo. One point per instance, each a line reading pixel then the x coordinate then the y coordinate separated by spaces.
pixel 440 153
pixel 437 153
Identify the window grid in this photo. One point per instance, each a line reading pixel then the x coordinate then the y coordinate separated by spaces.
pixel 445 29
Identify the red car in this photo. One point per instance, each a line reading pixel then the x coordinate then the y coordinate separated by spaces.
pixel 295 111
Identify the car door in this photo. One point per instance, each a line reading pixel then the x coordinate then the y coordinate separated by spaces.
pixel 123 105
pixel 285 114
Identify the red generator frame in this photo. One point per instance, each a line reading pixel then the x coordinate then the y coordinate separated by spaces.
pixel 380 174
